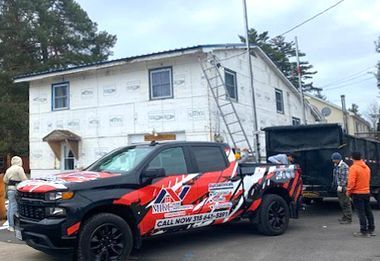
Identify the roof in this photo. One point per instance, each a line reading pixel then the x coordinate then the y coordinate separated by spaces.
pixel 324 101
pixel 327 103
pixel 61 135
pixel 103 64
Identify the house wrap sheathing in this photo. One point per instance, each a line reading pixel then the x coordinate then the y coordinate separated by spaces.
pixel 111 104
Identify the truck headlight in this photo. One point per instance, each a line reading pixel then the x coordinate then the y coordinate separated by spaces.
pixel 52 196
pixel 53 211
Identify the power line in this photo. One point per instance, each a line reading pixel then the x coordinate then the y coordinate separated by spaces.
pixel 348 77
pixel 311 18
pixel 345 81
pixel 348 84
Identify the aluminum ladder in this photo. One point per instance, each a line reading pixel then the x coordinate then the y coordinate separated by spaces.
pixel 210 68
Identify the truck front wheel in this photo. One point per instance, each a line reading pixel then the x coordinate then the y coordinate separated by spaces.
pixel 273 215
pixel 105 236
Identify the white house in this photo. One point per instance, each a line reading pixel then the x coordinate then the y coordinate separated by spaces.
pixel 80 113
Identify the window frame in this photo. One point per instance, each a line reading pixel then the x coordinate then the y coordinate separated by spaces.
pixel 53 98
pixel 151 71
pixel 194 160
pixel 185 155
pixel 233 73
pixel 297 120
pixel 282 111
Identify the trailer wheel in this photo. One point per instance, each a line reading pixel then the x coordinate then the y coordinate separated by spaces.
pixel 104 236
pixel 273 215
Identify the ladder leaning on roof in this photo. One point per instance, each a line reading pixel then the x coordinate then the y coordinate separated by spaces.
pixel 210 68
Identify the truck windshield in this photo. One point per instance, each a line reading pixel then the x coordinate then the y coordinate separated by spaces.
pixel 121 161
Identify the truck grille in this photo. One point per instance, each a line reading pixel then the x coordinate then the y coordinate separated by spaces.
pixel 31 195
pixel 32 212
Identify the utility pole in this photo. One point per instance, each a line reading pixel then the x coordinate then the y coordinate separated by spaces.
pixel 256 143
pixel 300 84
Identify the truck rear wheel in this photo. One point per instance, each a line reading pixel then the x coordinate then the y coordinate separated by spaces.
pixel 273 215
pixel 105 236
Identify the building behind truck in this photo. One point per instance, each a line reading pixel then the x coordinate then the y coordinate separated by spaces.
pixel 80 113
pixel 313 146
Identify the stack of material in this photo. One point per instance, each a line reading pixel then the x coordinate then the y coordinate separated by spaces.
pixel 3 213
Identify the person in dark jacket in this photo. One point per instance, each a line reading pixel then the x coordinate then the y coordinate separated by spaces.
pixel 340 176
pixel 358 188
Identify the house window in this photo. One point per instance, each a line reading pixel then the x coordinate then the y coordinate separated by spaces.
pixel 231 83
pixel 161 83
pixel 296 121
pixel 60 96
pixel 279 101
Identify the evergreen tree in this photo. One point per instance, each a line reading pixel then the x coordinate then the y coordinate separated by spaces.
pixel 354 109
pixel 283 54
pixel 40 35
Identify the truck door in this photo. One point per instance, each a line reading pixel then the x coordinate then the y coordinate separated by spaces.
pixel 170 198
pixel 214 184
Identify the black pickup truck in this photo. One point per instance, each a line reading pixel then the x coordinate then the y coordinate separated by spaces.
pixel 145 190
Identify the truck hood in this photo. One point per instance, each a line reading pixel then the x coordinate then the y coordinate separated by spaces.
pixel 61 181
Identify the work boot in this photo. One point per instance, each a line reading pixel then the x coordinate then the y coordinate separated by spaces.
pixel 361 234
pixel 372 233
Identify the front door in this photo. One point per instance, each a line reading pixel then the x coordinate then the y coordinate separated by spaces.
pixel 67 158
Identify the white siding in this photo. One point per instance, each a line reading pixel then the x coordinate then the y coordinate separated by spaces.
pixel 108 106
pixel 265 83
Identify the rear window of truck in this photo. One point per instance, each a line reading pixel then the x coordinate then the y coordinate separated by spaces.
pixel 209 158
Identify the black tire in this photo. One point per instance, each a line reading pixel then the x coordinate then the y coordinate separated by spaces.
pixel 104 236
pixel 273 215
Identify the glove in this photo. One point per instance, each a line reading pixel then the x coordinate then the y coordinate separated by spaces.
pixel 339 189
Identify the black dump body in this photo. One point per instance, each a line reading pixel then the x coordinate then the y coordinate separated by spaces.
pixel 313 146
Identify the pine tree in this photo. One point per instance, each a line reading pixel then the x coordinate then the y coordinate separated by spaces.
pixel 40 35
pixel 283 54
pixel 354 109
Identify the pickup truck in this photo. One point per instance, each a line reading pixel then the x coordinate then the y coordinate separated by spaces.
pixel 145 190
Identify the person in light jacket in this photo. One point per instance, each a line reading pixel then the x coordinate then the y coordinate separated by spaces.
pixel 285 159
pixel 340 177
pixel 14 175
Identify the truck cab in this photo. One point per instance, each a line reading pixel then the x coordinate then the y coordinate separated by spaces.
pixel 147 190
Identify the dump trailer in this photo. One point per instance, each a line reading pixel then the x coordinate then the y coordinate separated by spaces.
pixel 313 145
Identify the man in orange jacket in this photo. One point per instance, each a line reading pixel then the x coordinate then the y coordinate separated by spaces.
pixel 358 188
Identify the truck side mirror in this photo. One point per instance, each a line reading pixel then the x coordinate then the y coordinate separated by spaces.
pixel 154 173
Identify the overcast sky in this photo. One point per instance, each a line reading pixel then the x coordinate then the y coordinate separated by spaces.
pixel 339 43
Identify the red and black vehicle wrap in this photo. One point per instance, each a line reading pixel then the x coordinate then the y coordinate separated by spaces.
pixel 153 206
